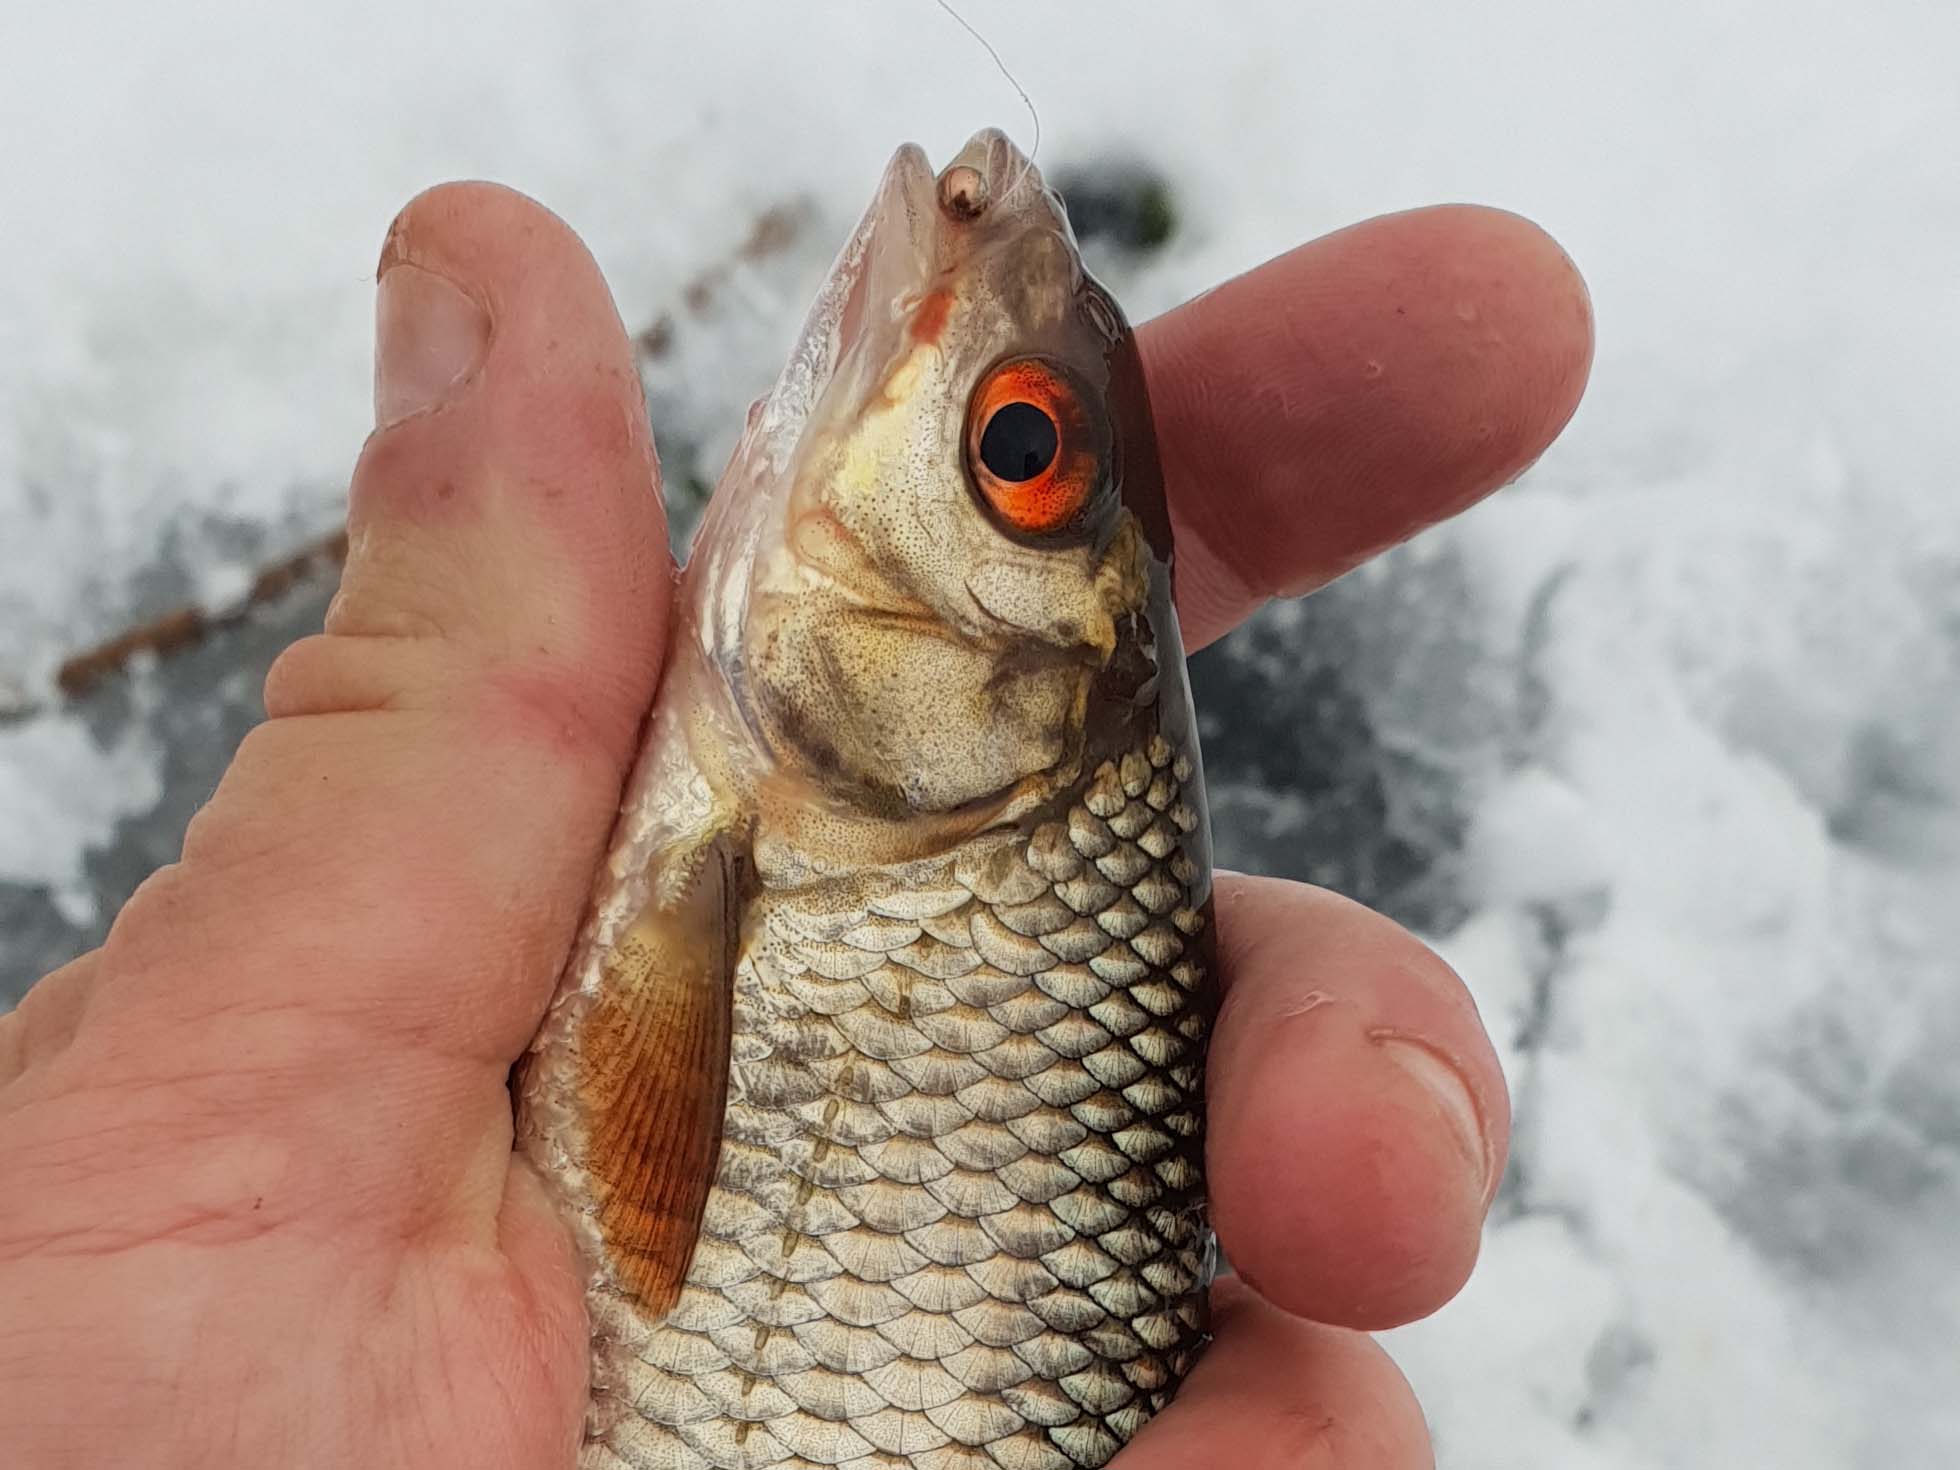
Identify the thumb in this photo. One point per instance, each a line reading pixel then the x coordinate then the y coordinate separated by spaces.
pixel 369 915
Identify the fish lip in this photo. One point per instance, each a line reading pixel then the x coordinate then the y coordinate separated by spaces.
pixel 905 205
pixel 1015 196
pixel 909 218
pixel 909 176
pixel 898 219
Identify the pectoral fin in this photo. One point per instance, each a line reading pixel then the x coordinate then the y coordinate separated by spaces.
pixel 654 1053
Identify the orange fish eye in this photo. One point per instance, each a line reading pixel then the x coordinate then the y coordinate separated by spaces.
pixel 1034 451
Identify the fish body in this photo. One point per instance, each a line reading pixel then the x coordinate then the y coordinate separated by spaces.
pixel 874 1087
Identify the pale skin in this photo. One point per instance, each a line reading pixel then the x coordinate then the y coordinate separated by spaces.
pixel 259 1204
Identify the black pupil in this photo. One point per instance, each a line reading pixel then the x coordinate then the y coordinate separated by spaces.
pixel 1018 442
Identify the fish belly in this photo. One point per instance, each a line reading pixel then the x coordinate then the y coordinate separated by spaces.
pixel 958 1221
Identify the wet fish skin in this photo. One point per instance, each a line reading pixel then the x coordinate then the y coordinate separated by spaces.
pixel 874 1089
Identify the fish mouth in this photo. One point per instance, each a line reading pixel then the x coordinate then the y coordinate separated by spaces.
pixel 890 247
pixel 989 186
pixel 989 180
pixel 921 225
pixel 891 252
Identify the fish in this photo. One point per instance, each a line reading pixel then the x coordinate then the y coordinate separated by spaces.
pixel 873 1089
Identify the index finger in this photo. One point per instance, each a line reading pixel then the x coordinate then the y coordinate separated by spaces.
pixel 1345 395
pixel 1358 1119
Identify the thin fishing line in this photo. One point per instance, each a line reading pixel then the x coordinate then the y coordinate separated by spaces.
pixel 1026 101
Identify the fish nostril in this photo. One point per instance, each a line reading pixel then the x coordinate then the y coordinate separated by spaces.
pixel 963 192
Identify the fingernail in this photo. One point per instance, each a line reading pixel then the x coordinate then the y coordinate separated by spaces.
pixel 1452 1096
pixel 429 338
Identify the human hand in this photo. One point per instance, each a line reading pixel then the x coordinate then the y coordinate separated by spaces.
pixel 260 1205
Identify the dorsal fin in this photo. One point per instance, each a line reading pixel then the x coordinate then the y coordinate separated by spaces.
pixel 653 1076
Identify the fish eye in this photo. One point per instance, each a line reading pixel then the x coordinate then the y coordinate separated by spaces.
pixel 1036 450
pixel 1019 441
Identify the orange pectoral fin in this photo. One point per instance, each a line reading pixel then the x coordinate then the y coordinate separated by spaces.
pixel 654 1071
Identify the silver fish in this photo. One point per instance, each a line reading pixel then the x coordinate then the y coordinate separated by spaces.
pixel 875 1085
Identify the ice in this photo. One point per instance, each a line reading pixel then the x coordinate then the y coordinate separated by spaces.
pixel 62 791
pixel 1536 841
pixel 1661 747
pixel 223 586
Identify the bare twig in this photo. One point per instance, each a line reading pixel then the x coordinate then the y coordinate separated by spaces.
pixel 774 231
pixel 185 627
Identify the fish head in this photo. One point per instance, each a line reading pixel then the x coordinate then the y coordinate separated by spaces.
pixel 955 552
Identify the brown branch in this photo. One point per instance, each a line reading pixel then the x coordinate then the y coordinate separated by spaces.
pixel 774 231
pixel 186 627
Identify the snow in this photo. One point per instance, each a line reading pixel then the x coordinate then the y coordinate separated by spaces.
pixel 61 791
pixel 1692 684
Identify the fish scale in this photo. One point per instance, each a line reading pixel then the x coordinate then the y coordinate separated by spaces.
pixel 958 1218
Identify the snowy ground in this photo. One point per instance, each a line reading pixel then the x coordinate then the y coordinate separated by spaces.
pixel 1662 746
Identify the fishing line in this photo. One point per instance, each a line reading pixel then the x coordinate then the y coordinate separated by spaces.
pixel 1034 146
